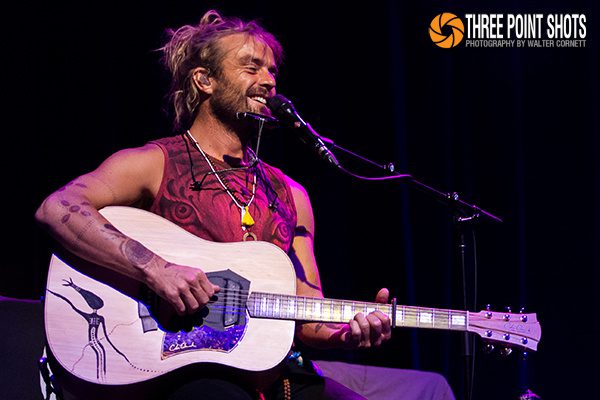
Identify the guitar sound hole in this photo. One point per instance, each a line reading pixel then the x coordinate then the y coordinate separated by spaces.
pixel 185 323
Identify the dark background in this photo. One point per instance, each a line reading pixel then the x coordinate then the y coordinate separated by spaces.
pixel 513 130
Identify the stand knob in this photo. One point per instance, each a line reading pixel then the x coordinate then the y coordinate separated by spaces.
pixel 505 352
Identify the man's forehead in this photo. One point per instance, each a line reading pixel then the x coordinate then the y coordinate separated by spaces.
pixel 244 47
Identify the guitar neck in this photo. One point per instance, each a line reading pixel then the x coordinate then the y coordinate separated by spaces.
pixel 299 308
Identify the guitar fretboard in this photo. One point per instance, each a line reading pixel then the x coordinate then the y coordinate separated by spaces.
pixel 279 306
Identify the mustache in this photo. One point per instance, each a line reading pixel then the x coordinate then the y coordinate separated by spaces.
pixel 261 93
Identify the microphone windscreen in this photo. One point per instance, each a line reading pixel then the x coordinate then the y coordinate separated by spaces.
pixel 276 102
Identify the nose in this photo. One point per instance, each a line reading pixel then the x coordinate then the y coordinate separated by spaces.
pixel 267 80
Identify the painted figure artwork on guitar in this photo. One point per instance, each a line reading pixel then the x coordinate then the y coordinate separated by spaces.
pixel 95 322
pixel 188 262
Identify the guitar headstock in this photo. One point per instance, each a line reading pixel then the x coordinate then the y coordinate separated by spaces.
pixel 511 330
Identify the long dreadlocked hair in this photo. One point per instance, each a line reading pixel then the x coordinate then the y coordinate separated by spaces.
pixel 193 46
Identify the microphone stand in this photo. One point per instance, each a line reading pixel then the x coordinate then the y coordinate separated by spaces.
pixel 464 213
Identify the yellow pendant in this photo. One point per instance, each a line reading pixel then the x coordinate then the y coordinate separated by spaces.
pixel 247 219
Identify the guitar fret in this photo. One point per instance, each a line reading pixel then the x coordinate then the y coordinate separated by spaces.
pixel 400 316
pixel 347 311
pixel 369 310
pixel 269 305
pixel 410 317
pixel 337 310
pixel 317 311
pixel 425 317
pixel 458 320
pixel 308 309
pixel 263 305
pixel 291 307
pixel 325 308
pixel 276 310
pixel 332 316
pixel 301 308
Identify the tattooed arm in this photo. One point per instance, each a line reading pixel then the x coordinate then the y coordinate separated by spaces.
pixel 362 330
pixel 71 216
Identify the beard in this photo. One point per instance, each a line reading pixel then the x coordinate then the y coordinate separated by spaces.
pixel 227 100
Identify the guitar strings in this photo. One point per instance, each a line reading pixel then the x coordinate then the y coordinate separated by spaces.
pixel 407 311
pixel 242 295
pixel 232 309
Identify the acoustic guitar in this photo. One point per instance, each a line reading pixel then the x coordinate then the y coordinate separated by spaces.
pixel 108 329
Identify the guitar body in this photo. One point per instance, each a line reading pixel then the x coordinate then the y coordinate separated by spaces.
pixel 102 328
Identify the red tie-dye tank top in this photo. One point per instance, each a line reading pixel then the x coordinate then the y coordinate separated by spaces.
pixel 210 212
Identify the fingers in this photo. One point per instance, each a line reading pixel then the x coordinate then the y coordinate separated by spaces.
pixel 361 331
pixel 386 325
pixel 376 327
pixel 207 286
pixel 367 331
pixel 383 296
pixel 191 302
pixel 381 327
pixel 178 304
pixel 202 290
pixel 187 289
pixel 354 335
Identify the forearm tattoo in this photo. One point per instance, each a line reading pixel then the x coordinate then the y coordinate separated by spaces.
pixel 74 209
pixel 320 326
pixel 79 184
pixel 136 253
pixel 84 230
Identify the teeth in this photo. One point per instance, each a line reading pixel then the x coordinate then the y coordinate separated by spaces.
pixel 259 99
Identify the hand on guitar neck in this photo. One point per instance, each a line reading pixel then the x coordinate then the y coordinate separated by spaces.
pixel 373 329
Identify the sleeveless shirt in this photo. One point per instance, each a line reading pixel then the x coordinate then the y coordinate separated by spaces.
pixel 211 213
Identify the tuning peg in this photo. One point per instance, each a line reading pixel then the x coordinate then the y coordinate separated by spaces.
pixel 523 317
pixel 505 351
pixel 488 348
pixel 488 313
pixel 524 356
pixel 507 309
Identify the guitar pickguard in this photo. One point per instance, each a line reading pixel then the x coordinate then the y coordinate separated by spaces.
pixel 220 325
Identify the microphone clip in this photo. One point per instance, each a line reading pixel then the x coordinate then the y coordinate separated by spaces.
pixel 269 122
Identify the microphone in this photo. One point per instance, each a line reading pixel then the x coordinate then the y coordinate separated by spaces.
pixel 284 110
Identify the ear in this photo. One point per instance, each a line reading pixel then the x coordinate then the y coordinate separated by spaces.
pixel 201 80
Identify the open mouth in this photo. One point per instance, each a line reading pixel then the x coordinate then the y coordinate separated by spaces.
pixel 259 99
